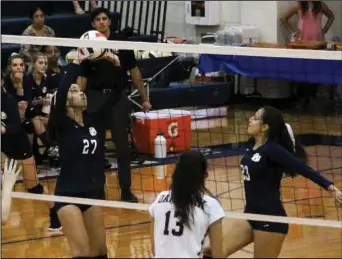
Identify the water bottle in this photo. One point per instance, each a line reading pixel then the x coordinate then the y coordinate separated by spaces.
pixel 160 146
pixel 46 108
pixel 293 37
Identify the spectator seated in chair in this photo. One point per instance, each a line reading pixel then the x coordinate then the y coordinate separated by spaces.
pixel 36 28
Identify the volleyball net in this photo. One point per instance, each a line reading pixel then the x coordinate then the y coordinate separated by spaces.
pixel 203 96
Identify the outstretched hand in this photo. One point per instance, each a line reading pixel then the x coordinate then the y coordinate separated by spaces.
pixel 10 174
pixel 337 194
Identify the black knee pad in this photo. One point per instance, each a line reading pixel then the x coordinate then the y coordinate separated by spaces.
pixel 30 113
pixel 28 126
pixel 38 189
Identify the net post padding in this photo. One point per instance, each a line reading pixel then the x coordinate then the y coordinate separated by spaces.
pixel 144 207
pixel 181 48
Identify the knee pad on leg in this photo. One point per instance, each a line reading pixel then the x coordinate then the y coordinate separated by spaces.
pixel 30 113
pixel 28 126
pixel 38 189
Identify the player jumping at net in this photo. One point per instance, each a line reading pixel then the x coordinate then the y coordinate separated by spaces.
pixel 15 144
pixel 82 167
pixel 272 150
pixel 184 215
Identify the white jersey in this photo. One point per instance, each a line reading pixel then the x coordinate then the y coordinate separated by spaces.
pixel 171 238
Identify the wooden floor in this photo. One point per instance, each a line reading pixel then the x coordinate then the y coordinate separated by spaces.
pixel 128 234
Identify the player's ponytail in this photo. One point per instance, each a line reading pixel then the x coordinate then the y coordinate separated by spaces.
pixel 297 148
pixel 188 185
pixel 290 142
pixel 283 134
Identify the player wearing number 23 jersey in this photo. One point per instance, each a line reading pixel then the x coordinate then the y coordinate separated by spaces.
pixel 262 168
pixel 180 228
pixel 272 151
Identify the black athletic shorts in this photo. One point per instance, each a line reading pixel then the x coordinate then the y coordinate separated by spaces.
pixel 266 226
pixel 96 194
pixel 16 146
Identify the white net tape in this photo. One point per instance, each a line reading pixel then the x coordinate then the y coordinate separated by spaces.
pixel 127 205
pixel 182 48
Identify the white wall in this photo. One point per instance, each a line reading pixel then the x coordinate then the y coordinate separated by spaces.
pixel 264 14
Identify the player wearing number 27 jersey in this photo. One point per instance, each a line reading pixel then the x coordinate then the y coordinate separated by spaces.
pixel 80 156
pixel 180 227
pixel 82 169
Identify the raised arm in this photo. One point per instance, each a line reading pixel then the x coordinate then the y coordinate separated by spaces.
pixel 62 92
pixel 290 163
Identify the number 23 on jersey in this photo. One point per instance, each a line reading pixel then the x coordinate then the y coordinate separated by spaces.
pixel 245 173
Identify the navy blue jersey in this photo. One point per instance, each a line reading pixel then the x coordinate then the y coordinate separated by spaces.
pixel 37 91
pixel 14 143
pixel 53 78
pixel 262 171
pixel 81 157
pixel 10 117
pixel 12 91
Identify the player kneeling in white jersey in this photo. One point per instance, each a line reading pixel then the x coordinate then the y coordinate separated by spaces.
pixel 184 215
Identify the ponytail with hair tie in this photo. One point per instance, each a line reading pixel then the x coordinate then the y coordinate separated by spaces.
pixel 291 134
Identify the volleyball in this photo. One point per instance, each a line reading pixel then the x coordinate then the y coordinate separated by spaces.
pixel 93 53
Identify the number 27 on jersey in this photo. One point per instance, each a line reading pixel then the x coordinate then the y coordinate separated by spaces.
pixel 89 146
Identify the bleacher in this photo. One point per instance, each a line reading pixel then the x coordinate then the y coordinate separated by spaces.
pixel 66 24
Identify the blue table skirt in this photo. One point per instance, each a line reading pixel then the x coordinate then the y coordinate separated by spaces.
pixel 301 70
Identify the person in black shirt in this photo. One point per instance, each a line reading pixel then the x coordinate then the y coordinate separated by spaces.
pixel 54 72
pixel 15 83
pixel 30 92
pixel 39 104
pixel 272 150
pixel 16 145
pixel 106 88
pixel 82 168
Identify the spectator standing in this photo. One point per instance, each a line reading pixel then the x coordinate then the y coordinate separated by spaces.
pixel 55 71
pixel 310 14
